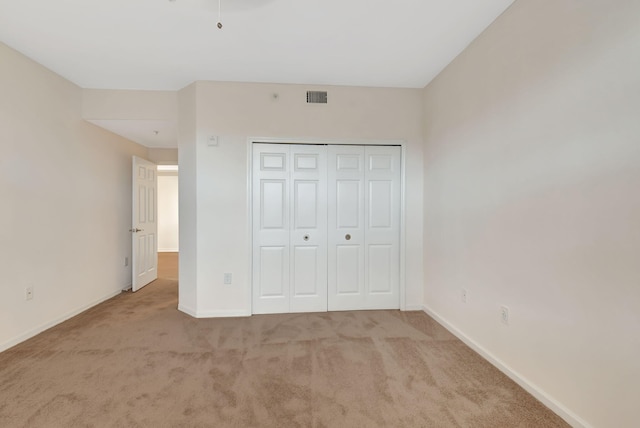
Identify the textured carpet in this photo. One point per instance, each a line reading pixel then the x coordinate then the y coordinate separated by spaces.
pixel 136 361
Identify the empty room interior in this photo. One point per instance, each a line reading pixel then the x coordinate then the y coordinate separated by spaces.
pixel 414 213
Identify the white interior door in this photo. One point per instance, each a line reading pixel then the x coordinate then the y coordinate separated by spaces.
pixel 364 227
pixel 289 228
pixel 144 260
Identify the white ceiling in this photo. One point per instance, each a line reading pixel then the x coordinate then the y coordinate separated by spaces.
pixel 166 45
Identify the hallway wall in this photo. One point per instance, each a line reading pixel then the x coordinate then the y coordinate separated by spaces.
pixel 65 187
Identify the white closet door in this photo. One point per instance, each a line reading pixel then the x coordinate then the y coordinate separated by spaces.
pixel 308 238
pixel 346 227
pixel 382 227
pixel 364 227
pixel 270 228
pixel 289 228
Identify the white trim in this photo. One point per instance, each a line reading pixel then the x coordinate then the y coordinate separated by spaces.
pixel 226 313
pixel 167 250
pixel 187 310
pixel 214 314
pixel 403 229
pixel 306 140
pixel 414 308
pixel 566 414
pixel 250 222
pixel 328 141
pixel 47 325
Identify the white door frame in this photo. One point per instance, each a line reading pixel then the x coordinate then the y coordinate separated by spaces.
pixel 270 140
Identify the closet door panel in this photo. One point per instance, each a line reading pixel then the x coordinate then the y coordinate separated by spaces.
pixel 382 227
pixel 271 229
pixel 308 237
pixel 346 166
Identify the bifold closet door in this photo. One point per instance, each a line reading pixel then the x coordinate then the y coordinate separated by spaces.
pixel 364 227
pixel 289 228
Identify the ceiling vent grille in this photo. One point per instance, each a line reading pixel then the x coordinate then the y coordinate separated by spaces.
pixel 316 97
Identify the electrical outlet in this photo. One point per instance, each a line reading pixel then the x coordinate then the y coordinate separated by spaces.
pixel 463 295
pixel 227 278
pixel 504 314
pixel 126 261
pixel 29 293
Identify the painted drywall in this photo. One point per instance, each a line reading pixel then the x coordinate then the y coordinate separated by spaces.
pixel 146 117
pixel 236 111
pixel 187 188
pixel 167 211
pixel 532 200
pixel 65 187
pixel 163 156
pixel 111 104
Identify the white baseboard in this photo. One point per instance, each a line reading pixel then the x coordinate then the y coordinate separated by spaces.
pixel 223 314
pixel 409 308
pixel 187 310
pixel 570 417
pixel 167 250
pixel 213 314
pixel 35 331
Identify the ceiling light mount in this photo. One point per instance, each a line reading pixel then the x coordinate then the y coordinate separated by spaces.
pixel 219 23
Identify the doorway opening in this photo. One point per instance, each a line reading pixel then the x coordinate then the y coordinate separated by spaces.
pixel 168 216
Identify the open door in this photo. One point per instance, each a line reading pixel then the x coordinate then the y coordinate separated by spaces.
pixel 144 224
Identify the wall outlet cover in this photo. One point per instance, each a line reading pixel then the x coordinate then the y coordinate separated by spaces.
pixel 504 314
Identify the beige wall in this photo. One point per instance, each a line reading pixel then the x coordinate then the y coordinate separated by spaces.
pixel 163 156
pixel 532 200
pixel 237 111
pixel 65 187
pixel 146 117
pixel 187 190
pixel 129 104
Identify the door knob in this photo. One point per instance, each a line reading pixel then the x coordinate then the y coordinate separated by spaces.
pixel 347 237
pixel 305 237
pixel 136 230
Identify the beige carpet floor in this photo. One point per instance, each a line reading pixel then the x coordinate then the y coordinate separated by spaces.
pixel 136 361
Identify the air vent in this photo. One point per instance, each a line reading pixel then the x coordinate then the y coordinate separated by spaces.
pixel 316 97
